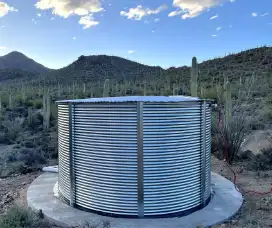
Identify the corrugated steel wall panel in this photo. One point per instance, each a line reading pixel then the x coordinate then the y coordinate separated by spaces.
pixel 105 157
pixel 208 151
pixel 171 157
pixel 63 147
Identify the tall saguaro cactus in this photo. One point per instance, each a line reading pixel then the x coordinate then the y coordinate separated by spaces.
pixel 106 88
pixel 194 77
pixel 46 111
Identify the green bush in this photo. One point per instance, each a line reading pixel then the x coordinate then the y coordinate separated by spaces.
pixel 20 217
pixel 37 103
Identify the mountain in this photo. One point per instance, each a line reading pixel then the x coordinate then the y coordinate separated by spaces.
pixel 101 67
pixel 235 65
pixel 16 60
pixel 15 74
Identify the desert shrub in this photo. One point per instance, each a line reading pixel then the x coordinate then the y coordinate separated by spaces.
pixel 20 217
pixel 37 103
pixel 30 157
pixel 262 161
pixel 17 217
pixel 11 130
pixel 14 168
pixel 211 93
pixel 36 121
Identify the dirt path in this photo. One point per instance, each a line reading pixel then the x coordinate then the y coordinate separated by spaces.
pixel 13 189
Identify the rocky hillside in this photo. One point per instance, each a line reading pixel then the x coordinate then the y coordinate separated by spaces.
pixel 257 60
pixel 101 67
pixel 16 60
pixel 15 74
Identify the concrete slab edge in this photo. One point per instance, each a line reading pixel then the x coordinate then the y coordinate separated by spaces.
pixel 225 204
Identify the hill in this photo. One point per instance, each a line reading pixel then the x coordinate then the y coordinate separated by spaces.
pixel 101 67
pixel 16 60
pixel 15 74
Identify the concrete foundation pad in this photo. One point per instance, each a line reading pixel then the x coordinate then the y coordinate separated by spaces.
pixel 225 203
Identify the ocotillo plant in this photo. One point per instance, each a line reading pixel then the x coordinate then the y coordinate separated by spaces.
pixel 194 77
pixel 228 101
pixel 106 88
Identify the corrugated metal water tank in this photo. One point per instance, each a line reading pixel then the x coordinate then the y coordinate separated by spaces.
pixel 135 156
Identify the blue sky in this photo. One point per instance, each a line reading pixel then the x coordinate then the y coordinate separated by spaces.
pixel 155 32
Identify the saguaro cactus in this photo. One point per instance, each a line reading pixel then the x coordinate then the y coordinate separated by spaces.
pixel 10 100
pixel 194 77
pixel 106 88
pixel 46 111
pixel 29 116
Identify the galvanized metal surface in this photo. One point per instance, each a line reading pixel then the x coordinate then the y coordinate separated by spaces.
pixel 71 155
pixel 208 151
pixel 140 109
pixel 172 148
pixel 126 99
pixel 63 147
pixel 107 157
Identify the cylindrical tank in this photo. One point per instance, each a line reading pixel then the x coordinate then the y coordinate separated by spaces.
pixel 146 156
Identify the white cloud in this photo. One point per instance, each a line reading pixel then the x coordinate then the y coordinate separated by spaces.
pixel 152 31
pixel 2 48
pixel 34 21
pixel 157 20
pixel 39 15
pixel 5 9
pixel 3 26
pixel 88 21
pixel 131 52
pixel 52 18
pixel 254 14
pixel 139 12
pixel 74 38
pixel 232 0
pixel 66 8
pixel 219 28
pixel 214 35
pixel 264 14
pixel 174 13
pixel 213 17
pixel 193 8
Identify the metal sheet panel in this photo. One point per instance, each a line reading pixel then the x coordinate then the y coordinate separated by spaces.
pixel 105 157
pixel 208 151
pixel 171 157
pixel 63 148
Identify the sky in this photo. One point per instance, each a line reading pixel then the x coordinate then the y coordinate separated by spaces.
pixel 155 32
